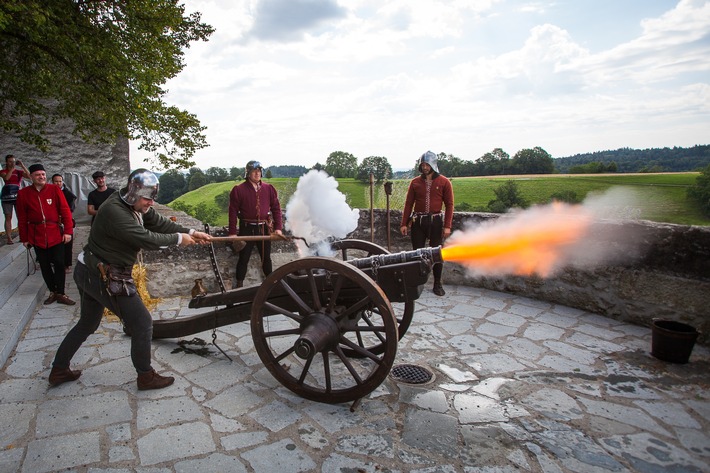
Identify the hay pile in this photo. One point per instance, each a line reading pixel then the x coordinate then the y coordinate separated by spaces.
pixel 140 276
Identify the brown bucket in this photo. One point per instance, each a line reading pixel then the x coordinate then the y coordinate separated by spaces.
pixel 672 341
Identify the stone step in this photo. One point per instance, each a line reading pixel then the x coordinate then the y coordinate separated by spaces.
pixel 8 253
pixel 13 270
pixel 18 309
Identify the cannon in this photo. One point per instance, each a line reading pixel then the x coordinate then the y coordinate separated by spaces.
pixel 326 328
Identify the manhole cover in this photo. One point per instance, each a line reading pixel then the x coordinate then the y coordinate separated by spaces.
pixel 411 374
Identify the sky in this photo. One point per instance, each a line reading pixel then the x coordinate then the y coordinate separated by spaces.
pixel 287 82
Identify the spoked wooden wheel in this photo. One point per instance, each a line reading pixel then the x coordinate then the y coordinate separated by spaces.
pixel 351 249
pixel 307 313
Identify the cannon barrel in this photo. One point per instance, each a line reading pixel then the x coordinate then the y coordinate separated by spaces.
pixel 430 255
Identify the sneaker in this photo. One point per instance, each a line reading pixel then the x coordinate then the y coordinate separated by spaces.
pixel 61 375
pixel 63 299
pixel 52 297
pixel 152 380
pixel 439 289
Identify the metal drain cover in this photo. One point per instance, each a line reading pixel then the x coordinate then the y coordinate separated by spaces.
pixel 411 374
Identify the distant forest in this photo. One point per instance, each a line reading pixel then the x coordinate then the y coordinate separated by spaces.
pixel 641 160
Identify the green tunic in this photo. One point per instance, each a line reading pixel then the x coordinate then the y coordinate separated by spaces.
pixel 117 234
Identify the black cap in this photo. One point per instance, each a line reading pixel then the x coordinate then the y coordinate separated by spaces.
pixel 97 174
pixel 36 167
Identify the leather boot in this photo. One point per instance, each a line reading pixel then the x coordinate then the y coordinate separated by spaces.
pixel 439 289
pixel 61 375
pixel 240 283
pixel 152 380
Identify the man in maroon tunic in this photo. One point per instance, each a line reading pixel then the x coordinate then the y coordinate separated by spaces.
pixel 255 204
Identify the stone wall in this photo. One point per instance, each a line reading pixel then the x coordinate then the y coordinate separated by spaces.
pixel 70 154
pixel 662 270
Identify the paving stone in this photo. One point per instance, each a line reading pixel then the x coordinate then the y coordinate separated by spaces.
pixel 217 462
pixel 476 409
pixel 243 440
pixel 275 416
pixel 671 413
pixel 16 422
pixel 155 413
pixel 554 404
pixel 279 456
pixel 61 416
pixel 176 442
pixel 431 431
pixel 621 413
pixel 543 332
pixel 312 437
pixel 496 330
pixel 368 444
pixel 644 452
pixel 61 452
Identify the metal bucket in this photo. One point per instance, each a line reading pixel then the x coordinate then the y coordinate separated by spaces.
pixel 672 341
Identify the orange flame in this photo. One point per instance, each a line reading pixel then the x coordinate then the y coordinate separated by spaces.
pixel 536 241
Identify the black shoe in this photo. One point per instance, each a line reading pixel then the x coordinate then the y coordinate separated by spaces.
pixel 439 289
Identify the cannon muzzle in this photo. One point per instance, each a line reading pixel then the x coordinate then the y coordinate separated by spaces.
pixel 427 255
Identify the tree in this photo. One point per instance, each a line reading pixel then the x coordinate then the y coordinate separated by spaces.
pixel 197 180
pixel 222 200
pixel 508 195
pixel 496 162
pixel 236 174
pixel 103 65
pixel 318 167
pixel 533 161
pixel 216 174
pixel 172 185
pixel 341 164
pixel 700 192
pixel 377 165
pixel 268 174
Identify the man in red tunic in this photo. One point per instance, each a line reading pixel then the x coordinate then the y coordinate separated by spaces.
pixel 422 209
pixel 40 209
pixel 255 204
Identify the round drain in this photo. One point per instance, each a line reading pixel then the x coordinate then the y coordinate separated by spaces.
pixel 411 374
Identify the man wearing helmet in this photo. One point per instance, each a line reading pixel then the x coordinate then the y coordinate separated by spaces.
pixel 422 210
pixel 255 204
pixel 125 224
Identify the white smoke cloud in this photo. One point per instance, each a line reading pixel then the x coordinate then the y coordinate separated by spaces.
pixel 317 212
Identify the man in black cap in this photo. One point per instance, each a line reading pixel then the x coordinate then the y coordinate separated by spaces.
pixel 99 195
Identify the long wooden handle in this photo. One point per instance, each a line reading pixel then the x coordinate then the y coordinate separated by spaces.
pixel 272 237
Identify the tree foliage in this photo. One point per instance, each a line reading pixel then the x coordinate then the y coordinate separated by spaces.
pixel 508 195
pixel 172 185
pixel 341 164
pixel 103 65
pixel 377 165
pixel 700 192
pixel 533 161
pixel 216 174
pixel 197 179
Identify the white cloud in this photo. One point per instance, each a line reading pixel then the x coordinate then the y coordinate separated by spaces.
pixel 396 78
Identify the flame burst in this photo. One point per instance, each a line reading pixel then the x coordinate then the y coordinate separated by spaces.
pixel 536 241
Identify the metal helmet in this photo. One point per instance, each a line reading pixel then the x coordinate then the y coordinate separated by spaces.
pixel 430 158
pixel 141 183
pixel 251 165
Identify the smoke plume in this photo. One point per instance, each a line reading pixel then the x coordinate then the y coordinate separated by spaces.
pixel 317 211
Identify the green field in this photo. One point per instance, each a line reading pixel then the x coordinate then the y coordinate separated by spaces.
pixel 656 197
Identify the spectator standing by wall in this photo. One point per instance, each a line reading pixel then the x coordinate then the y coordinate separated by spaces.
pixel 12 179
pixel 99 195
pixel 58 180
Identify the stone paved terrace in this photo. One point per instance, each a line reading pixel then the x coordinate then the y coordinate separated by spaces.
pixel 520 386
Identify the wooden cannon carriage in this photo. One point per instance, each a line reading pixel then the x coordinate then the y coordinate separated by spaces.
pixel 326 328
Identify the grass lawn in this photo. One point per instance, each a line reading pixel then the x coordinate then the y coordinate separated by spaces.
pixel 656 197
